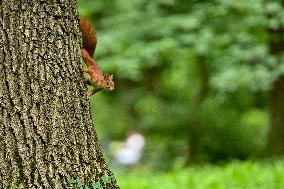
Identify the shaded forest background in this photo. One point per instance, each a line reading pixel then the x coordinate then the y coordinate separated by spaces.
pixel 202 80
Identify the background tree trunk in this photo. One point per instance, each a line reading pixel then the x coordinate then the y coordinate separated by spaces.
pixel 276 135
pixel 195 123
pixel 46 131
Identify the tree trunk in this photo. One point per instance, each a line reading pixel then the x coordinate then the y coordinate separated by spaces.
pixel 276 136
pixel 196 110
pixel 46 131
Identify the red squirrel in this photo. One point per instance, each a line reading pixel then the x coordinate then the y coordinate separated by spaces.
pixel 96 77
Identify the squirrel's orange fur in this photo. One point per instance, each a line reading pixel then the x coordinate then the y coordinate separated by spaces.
pixel 88 35
pixel 96 76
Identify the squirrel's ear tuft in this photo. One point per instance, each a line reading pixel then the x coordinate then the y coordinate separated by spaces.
pixel 88 35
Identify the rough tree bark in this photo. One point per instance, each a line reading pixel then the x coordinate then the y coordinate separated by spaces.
pixel 46 131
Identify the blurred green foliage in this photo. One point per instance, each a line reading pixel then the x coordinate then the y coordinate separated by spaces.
pixel 153 48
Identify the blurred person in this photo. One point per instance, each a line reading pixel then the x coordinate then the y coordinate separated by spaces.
pixel 130 151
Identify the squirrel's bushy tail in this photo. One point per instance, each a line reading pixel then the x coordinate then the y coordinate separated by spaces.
pixel 88 35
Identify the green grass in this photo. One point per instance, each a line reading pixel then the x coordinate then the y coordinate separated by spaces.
pixel 236 175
